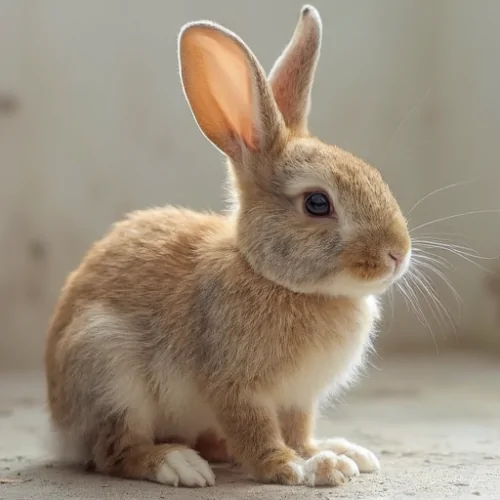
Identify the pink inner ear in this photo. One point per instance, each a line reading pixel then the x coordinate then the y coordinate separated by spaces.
pixel 229 80
pixel 218 82
pixel 292 75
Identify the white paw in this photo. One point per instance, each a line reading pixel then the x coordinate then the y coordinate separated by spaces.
pixel 363 458
pixel 297 476
pixel 328 469
pixel 185 468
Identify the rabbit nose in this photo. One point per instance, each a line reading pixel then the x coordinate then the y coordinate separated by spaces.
pixel 396 257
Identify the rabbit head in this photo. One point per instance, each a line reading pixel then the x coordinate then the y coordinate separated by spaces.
pixel 309 216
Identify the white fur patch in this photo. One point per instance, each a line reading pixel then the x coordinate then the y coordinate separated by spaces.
pixel 328 469
pixel 343 284
pixel 373 307
pixel 298 468
pixel 365 460
pixel 185 468
pixel 108 350
pixel 323 373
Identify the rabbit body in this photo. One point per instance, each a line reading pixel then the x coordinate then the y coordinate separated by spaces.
pixel 164 317
pixel 184 331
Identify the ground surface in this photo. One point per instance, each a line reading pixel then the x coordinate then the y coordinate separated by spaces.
pixel 434 423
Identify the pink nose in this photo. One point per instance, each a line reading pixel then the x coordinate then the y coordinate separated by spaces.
pixel 397 257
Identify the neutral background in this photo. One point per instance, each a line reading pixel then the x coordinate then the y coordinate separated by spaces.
pixel 93 124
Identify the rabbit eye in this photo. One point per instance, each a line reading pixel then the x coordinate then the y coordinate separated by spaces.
pixel 317 205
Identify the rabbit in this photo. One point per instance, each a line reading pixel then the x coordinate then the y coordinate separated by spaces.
pixel 185 336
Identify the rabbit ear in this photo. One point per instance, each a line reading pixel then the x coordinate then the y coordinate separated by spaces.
pixel 292 76
pixel 226 89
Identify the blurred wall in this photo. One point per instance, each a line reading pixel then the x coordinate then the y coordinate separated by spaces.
pixel 468 84
pixel 93 124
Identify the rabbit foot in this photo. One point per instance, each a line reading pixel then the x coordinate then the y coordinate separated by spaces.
pixel 365 460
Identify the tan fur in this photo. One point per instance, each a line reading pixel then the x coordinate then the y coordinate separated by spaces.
pixel 182 329
pixel 297 429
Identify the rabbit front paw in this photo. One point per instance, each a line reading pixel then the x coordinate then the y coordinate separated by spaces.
pixel 328 469
pixel 365 460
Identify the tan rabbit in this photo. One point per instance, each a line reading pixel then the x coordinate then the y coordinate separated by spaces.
pixel 181 328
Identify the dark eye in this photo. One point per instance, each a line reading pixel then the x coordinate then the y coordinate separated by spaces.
pixel 317 205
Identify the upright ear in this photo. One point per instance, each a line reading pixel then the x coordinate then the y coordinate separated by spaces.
pixel 227 90
pixel 292 76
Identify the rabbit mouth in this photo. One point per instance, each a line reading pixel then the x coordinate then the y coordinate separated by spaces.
pixel 375 285
pixel 401 267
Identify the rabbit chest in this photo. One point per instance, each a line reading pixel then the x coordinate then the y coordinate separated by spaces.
pixel 333 356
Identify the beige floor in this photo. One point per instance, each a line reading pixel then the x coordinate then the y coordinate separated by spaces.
pixel 434 422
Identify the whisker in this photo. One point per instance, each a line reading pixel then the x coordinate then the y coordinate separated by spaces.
pixel 421 314
pixel 453 238
pixel 413 298
pixel 431 262
pixel 458 249
pixel 428 195
pixel 435 259
pixel 403 122
pixel 391 303
pixel 403 294
pixel 469 258
pixel 430 289
pixel 443 241
pixel 420 286
pixel 445 280
pixel 449 217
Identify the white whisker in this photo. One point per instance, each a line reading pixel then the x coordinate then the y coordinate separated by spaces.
pixel 469 258
pixel 402 123
pixel 443 277
pixel 418 307
pixel 449 217
pixel 404 295
pixel 391 303
pixel 413 298
pixel 428 195
pixel 429 289
pixel 458 249
pixel 434 259
pixel 443 241
pixel 426 293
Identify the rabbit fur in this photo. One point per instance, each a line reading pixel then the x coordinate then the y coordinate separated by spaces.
pixel 185 336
